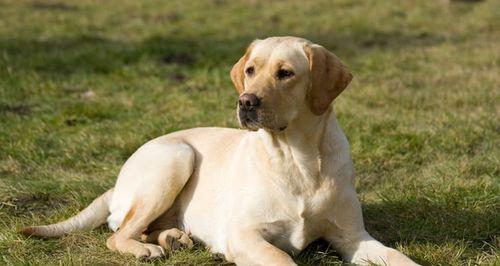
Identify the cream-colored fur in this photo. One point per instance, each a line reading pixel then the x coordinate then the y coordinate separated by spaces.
pixel 257 196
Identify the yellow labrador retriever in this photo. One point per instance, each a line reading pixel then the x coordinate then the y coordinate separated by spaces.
pixel 255 195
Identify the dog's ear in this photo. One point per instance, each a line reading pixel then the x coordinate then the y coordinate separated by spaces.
pixel 238 70
pixel 329 77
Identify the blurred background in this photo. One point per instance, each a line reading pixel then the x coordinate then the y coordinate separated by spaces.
pixel 85 83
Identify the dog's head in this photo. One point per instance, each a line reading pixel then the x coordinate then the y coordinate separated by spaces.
pixel 282 78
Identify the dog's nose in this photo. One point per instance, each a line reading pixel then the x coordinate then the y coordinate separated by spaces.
pixel 248 101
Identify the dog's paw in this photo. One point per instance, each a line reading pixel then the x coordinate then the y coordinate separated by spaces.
pixel 173 239
pixel 150 252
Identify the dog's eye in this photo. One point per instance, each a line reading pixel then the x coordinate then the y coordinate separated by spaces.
pixel 249 70
pixel 284 74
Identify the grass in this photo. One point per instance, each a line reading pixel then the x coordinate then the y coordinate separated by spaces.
pixel 85 83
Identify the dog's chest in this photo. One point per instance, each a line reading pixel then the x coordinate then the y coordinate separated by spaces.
pixel 298 220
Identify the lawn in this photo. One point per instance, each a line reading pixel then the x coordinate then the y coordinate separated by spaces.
pixel 85 83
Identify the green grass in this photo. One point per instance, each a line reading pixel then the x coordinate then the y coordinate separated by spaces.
pixel 422 114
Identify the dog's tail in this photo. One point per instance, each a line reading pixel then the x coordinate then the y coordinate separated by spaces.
pixel 91 217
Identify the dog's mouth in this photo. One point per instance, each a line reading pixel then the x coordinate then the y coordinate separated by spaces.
pixel 252 124
pixel 253 121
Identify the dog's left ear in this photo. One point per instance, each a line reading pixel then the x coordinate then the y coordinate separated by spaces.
pixel 238 70
pixel 329 77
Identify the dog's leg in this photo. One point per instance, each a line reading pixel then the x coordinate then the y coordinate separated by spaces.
pixel 162 170
pixel 249 248
pixel 348 235
pixel 170 239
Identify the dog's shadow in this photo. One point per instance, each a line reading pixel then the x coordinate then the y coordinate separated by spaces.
pixel 418 222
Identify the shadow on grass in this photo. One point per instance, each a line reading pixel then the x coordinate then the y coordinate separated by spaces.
pixel 427 222
pixel 422 221
pixel 25 205
pixel 86 53
pixel 92 54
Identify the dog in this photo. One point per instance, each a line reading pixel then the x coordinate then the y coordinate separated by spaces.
pixel 259 194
